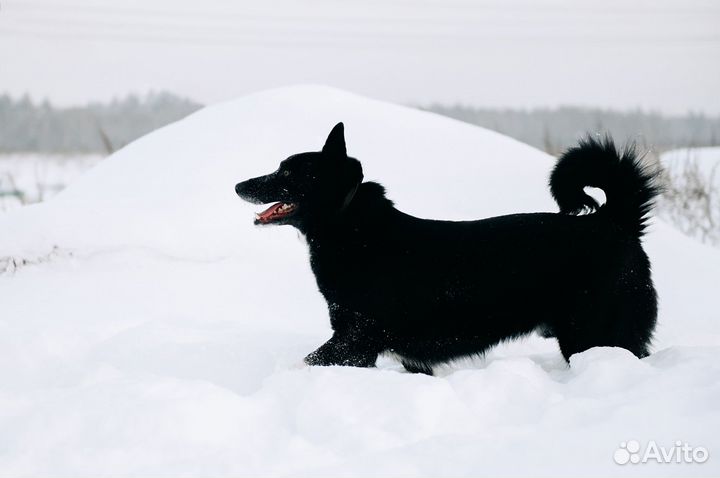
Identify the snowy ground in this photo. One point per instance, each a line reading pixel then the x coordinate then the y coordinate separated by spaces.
pixel 30 178
pixel 149 329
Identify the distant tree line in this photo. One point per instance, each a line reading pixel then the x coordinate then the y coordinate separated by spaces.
pixel 27 126
pixel 553 130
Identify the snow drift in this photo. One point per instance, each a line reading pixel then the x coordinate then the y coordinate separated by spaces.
pixel 149 329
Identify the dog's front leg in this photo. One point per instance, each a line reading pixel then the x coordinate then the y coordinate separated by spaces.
pixel 344 349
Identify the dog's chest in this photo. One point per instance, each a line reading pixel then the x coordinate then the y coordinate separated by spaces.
pixel 340 265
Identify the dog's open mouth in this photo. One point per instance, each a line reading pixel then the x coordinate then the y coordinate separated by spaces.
pixel 275 212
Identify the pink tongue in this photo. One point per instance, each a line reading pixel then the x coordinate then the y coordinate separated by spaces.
pixel 265 215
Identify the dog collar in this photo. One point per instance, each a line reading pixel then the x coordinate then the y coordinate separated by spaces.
pixel 349 197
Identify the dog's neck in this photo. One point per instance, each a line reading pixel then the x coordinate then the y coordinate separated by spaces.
pixel 364 203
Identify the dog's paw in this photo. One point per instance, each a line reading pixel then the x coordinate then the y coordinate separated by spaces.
pixel 315 358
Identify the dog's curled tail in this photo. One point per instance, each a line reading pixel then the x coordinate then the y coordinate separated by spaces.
pixel 629 186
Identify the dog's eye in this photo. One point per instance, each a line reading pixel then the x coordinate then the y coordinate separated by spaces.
pixel 286 173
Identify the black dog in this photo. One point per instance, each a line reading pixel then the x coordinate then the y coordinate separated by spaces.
pixel 430 291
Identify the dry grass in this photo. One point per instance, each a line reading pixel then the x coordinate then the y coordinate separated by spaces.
pixel 691 200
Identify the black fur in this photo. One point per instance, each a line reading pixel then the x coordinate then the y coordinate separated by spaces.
pixel 430 291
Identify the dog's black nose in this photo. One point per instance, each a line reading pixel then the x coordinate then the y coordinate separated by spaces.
pixel 238 188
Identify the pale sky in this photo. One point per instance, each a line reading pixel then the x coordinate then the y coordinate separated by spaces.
pixel 654 54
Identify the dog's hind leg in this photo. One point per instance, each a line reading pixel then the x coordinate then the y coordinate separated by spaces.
pixel 623 318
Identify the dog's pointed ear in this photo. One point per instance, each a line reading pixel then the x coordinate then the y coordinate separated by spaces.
pixel 335 142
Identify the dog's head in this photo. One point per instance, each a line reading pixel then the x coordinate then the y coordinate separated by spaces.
pixel 307 187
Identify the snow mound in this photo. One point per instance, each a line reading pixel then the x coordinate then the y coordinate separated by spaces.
pixel 173 190
pixel 150 329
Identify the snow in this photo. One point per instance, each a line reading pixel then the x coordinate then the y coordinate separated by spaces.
pixel 149 329
pixel 37 177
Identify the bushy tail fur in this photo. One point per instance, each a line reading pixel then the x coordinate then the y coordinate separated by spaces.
pixel 630 187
